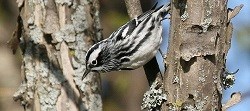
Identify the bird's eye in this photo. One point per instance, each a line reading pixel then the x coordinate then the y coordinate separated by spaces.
pixel 94 62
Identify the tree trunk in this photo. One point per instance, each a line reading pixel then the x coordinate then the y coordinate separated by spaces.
pixel 54 37
pixel 200 36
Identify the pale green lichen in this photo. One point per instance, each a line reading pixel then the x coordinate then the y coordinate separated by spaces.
pixel 190 108
pixel 48 93
pixel 79 19
pixel 36 35
pixel 176 79
pixel 80 25
pixel 184 16
pixel 68 2
pixel 83 31
pixel 67 34
pixel 154 97
pixel 202 78
pixel 205 24
pixel 23 95
pixel 228 78
pixel 199 104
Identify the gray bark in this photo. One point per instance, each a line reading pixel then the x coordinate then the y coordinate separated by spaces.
pixel 54 37
pixel 200 36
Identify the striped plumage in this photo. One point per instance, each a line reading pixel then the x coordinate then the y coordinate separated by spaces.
pixel 131 46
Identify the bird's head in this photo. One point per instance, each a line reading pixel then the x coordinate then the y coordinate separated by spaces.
pixel 95 60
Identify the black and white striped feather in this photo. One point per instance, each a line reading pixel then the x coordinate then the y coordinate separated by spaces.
pixel 131 46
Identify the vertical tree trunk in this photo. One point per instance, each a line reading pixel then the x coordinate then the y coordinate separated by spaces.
pixel 200 37
pixel 54 37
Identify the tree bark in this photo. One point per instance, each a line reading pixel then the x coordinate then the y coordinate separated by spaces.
pixel 54 37
pixel 200 36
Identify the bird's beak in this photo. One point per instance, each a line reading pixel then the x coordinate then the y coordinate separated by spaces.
pixel 85 73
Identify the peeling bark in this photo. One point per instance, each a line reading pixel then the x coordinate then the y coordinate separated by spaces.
pixel 55 36
pixel 199 42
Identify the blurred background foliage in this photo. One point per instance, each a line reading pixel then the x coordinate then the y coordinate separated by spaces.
pixel 123 91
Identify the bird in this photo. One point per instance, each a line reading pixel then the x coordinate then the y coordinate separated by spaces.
pixel 129 47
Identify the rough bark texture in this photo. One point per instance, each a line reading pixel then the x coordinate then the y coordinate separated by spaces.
pixel 54 37
pixel 199 41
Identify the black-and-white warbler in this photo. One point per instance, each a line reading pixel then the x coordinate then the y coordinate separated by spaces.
pixel 131 46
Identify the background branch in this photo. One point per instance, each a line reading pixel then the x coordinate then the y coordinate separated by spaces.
pixel 133 8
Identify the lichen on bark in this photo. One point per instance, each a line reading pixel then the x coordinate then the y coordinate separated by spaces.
pixel 54 37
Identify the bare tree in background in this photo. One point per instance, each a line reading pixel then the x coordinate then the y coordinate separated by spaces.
pixel 54 37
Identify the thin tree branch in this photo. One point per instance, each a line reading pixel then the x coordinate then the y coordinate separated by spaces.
pixel 133 8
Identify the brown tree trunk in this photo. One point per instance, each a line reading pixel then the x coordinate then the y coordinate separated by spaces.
pixel 54 37
pixel 200 36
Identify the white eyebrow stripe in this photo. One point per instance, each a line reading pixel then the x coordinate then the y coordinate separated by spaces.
pixel 94 55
